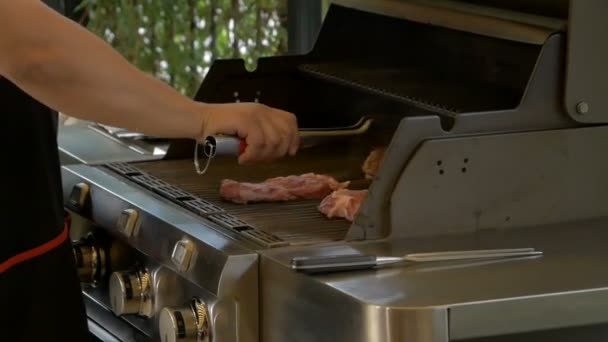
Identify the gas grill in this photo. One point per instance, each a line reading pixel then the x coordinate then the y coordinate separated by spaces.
pixel 494 122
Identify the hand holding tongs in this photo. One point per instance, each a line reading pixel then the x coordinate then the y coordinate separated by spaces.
pixel 350 262
pixel 219 145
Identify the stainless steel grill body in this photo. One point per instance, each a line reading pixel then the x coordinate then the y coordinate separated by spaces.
pixel 482 153
pixel 559 297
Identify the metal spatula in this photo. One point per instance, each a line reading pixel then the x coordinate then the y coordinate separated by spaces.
pixel 351 262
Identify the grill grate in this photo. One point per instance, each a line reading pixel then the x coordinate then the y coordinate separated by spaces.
pixel 270 224
pixel 264 238
pixel 426 89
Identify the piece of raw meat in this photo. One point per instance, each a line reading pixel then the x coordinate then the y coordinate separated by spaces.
pixel 373 161
pixel 279 189
pixel 343 203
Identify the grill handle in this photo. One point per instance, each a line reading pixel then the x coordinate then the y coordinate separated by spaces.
pixel 220 145
pixel 335 263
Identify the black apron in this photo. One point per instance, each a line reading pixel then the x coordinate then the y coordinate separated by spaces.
pixel 40 294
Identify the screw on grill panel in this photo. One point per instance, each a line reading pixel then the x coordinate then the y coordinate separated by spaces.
pixel 203 207
pixel 149 181
pixel 124 169
pixel 582 107
pixel 174 193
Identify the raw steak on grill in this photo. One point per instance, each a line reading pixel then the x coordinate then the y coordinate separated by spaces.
pixel 279 189
pixel 343 203
pixel 373 161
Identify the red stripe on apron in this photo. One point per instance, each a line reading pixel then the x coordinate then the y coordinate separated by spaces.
pixel 35 252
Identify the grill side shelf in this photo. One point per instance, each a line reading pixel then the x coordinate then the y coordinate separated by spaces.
pixel 196 205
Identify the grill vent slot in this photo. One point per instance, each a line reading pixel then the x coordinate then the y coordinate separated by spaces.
pixel 124 169
pixel 149 181
pixel 203 207
pixel 244 228
pixel 174 193
pixel 229 221
pixel 265 238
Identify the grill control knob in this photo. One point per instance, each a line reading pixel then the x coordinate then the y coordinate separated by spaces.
pixel 130 293
pixel 96 256
pixel 90 262
pixel 91 257
pixel 128 222
pixel 79 196
pixel 182 254
pixel 187 324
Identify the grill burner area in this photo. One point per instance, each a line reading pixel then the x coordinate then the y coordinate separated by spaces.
pixel 270 224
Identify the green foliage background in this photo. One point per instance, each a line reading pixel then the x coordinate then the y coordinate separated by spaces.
pixel 177 40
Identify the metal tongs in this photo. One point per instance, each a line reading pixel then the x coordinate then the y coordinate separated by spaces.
pixel 220 145
pixel 351 262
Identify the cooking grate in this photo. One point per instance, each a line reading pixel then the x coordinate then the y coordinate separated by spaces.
pixel 426 89
pixel 270 224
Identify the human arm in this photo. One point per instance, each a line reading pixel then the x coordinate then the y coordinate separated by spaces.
pixel 66 67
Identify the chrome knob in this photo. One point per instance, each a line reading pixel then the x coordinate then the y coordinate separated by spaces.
pixel 90 259
pixel 177 325
pixel 130 293
pixel 188 324
pixel 78 197
pixel 83 256
pixel 90 262
pixel 182 254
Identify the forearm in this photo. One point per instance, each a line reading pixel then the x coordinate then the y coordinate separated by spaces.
pixel 73 71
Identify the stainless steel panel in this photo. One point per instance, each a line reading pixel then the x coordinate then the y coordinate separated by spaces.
pixel 170 291
pixel 107 327
pixel 80 144
pixel 100 333
pixel 522 315
pixel 540 109
pixel 587 73
pixel 571 334
pixel 300 309
pixel 564 288
pixel 502 181
pixel 220 265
